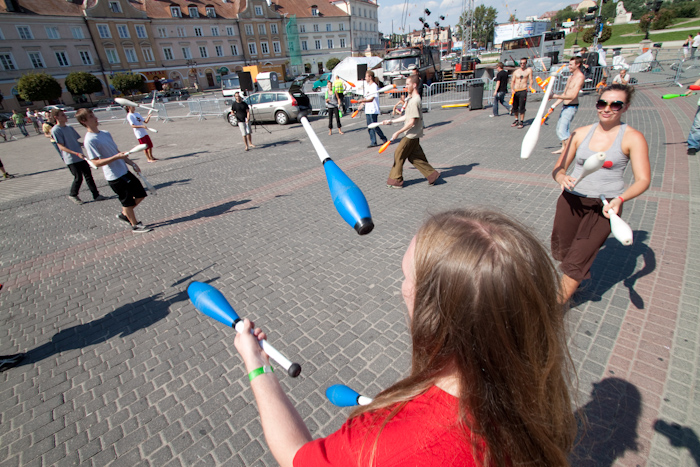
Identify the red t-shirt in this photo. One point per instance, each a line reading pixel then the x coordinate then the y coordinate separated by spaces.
pixel 424 432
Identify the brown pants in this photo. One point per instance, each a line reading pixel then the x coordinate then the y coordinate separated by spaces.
pixel 410 149
pixel 579 230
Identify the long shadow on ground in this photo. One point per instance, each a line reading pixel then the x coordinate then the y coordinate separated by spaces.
pixel 214 211
pixel 454 171
pixel 607 424
pixel 680 437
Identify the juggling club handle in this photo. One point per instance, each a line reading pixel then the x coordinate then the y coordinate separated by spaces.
pixel 293 369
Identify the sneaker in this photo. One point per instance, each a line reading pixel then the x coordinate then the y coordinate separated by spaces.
pixel 515 123
pixel 520 125
pixel 373 146
pixel 492 115
pixel 8 176
pixel 122 217
pixel 100 198
pixel 692 151
pixel 140 229
pixel 394 186
pixel 75 199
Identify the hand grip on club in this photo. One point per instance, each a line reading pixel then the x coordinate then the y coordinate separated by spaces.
pixel 210 301
pixel 343 396
pixel 619 228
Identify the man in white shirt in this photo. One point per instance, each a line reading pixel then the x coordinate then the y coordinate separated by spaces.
pixel 695 45
pixel 138 123
pixel 622 78
pixel 371 105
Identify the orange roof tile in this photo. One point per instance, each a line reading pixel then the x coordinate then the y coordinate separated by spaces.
pixel 302 8
pixel 46 7
pixel 161 8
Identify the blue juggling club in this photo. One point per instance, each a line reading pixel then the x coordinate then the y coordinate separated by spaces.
pixel 212 303
pixel 342 396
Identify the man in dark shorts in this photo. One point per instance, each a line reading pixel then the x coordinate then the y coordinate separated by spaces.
pixel 242 111
pixel 522 81
pixel 499 94
pixel 101 149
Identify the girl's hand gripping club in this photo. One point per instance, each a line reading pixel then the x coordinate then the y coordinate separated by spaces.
pixel 212 303
pixel 620 229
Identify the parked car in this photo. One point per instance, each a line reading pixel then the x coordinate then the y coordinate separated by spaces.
pixel 281 106
pixel 321 82
pixel 49 108
pixel 5 116
pixel 172 95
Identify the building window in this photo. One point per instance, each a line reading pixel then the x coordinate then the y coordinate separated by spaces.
pixel 261 29
pixel 193 12
pixel 234 49
pixel 314 11
pixel 304 45
pixel 7 62
pixel 86 57
pixel 168 53
pixel 186 53
pixel 123 31
pixel 112 56
pixel 252 48
pixel 219 51
pixel 181 32
pixel 141 32
pixel 77 32
pixel 198 32
pixel 103 31
pixel 214 31
pixel 342 43
pixel 364 12
pixel 36 59
pixel 273 28
pixel 264 47
pixel 62 58
pixel 211 12
pixel 130 55
pixel 317 44
pixel 302 28
pixel 115 7
pixel 147 53
pixel 353 10
pixel 230 31
pixel 315 27
pixel 258 11
pixel 203 52
pixel 162 32
pixel 175 12
pixel 276 47
pixel 52 32
pixel 249 29
pixel 328 27
pixel 341 27
pixel 25 32
pixel 330 43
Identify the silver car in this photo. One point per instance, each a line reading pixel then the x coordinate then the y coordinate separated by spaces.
pixel 280 105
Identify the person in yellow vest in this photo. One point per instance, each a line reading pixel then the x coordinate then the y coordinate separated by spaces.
pixel 339 89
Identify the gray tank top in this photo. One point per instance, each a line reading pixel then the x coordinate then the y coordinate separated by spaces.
pixel 606 181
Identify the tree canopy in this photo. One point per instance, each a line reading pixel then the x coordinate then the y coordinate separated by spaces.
pixel 81 82
pixel 127 82
pixel 484 22
pixel 38 87
pixel 331 63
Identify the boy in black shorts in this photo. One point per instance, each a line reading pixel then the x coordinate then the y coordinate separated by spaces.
pixel 101 149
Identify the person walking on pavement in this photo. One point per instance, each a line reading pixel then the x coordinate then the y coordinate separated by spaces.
pixel 499 94
pixel 49 123
pixel 241 110
pixel 409 147
pixel 370 102
pixel 522 81
pixel 332 104
pixel 138 123
pixel 103 152
pixel 18 119
pixel 419 86
pixel 339 89
pixel 570 99
pixel 72 153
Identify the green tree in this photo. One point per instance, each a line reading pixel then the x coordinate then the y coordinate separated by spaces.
pixel 663 19
pixel 127 82
pixel 38 87
pixel 589 34
pixel 331 63
pixel 484 24
pixel 645 22
pixel 81 82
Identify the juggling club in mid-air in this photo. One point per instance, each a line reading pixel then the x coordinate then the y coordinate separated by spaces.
pixel 207 299
pixel 342 396
pixel 592 164
pixel 348 199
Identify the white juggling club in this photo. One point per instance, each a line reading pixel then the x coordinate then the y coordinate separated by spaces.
pixel 620 229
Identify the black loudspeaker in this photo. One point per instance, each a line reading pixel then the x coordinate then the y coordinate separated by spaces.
pixel 361 71
pixel 246 81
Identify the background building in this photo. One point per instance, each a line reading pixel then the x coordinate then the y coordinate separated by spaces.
pixel 364 25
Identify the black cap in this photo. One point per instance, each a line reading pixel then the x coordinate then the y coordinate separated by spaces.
pixel 364 226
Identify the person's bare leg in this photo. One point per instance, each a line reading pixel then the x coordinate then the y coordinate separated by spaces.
pixel 568 287
pixel 245 141
pixel 522 121
pixel 563 146
pixel 129 213
pixel 250 140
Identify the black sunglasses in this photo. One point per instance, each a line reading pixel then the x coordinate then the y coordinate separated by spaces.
pixel 614 106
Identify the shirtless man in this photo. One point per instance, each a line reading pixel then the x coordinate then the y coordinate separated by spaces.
pixel 570 99
pixel 522 81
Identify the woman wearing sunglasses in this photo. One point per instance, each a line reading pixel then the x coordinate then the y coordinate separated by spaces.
pixel 581 223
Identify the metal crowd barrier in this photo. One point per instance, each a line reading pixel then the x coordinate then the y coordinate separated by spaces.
pixel 457 91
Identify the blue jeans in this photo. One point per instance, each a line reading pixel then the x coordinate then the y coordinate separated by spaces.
pixel 694 135
pixel 500 97
pixel 372 118
pixel 564 123
pixel 23 129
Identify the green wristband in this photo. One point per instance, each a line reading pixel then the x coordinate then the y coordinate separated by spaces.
pixel 259 371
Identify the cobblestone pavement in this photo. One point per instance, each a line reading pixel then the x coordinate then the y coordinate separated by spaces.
pixel 122 370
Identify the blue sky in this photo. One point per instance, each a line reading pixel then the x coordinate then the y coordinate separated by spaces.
pixel 451 9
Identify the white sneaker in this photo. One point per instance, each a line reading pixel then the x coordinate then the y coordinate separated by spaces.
pixel 140 228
